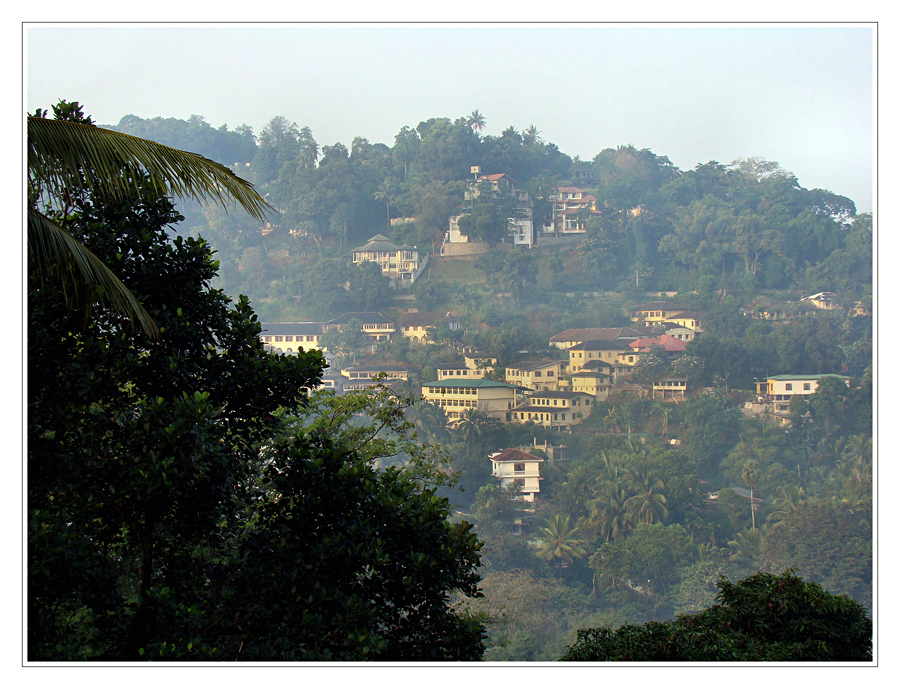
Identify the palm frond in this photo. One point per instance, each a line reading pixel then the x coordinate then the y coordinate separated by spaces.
pixel 66 156
pixel 57 257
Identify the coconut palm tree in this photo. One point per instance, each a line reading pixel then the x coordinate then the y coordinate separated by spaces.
pixel 385 193
pixel 750 474
pixel 559 543
pixel 786 500
pixel 530 135
pixel 476 121
pixel 69 157
pixel 609 513
pixel 747 547
pixel 471 426
pixel 647 505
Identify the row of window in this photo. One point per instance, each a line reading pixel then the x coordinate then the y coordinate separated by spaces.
pixel 291 338
pixel 452 391
pixel 790 386
pixel 537 416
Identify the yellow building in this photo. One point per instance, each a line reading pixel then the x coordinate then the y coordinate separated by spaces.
pixel 536 375
pixel 456 396
pixel 397 262
pixel 656 312
pixel 376 327
pixel 780 389
pixel 289 338
pixel 593 380
pixel 595 350
pixel 559 410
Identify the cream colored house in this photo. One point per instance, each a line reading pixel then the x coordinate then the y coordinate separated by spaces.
pixel 461 371
pixel 594 379
pixel 553 409
pixel 415 325
pixel 396 262
pixel 536 375
pixel 289 338
pixel 670 388
pixel 456 396
pixel 656 312
pixel 607 351
pixel 780 389
pixel 369 371
pixel 376 327
pixel 515 467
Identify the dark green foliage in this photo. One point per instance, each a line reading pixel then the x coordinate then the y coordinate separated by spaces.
pixel 348 563
pixel 764 618
pixel 137 447
pixel 152 527
pixel 827 543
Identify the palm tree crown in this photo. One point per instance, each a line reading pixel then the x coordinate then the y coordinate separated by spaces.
pixel 68 157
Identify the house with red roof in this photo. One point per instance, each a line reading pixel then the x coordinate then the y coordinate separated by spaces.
pixel 569 212
pixel 515 467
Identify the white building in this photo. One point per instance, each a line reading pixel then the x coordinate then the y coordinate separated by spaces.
pixel 515 467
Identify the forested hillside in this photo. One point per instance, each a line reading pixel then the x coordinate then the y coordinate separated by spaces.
pixel 647 503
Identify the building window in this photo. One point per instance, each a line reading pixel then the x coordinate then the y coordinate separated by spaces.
pixel 788 386
pixel 807 386
pixel 519 467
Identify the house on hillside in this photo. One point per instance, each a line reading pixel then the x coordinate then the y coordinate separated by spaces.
pixel 570 209
pixel 608 351
pixel 403 263
pixel 594 379
pixel 289 338
pixel 456 396
pixel 415 325
pixel 779 390
pixel 458 370
pixel 554 409
pixel 577 336
pixel 515 467
pixel 376 327
pixel 660 311
pixel 521 229
pixel 669 388
pixel 671 346
pixel 822 300
pixel 536 375
pixel 368 371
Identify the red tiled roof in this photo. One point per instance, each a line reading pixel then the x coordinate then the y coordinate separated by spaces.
pixel 513 455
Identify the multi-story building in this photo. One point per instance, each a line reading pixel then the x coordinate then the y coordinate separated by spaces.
pixel 515 467
pixel 577 336
pixel 415 325
pixel 289 338
pixel 554 409
pixel 456 396
pixel 521 228
pixel 376 327
pixel 780 389
pixel 536 375
pixel 570 210
pixel 594 379
pixel 403 263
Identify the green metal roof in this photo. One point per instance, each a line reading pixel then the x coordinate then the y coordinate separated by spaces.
pixel 470 383
pixel 816 376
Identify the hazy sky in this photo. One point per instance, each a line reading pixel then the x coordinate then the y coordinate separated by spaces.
pixel 798 95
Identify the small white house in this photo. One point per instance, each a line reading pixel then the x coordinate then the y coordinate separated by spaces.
pixel 516 467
